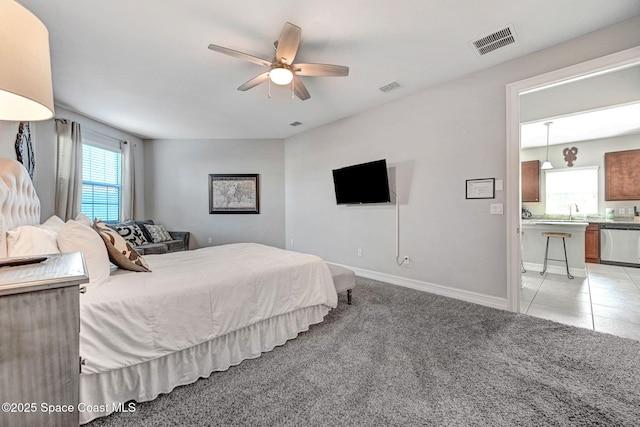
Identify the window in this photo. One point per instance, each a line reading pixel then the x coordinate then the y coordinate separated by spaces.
pixel 101 182
pixel 566 187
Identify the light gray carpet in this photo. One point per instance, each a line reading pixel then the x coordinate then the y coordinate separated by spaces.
pixel 404 357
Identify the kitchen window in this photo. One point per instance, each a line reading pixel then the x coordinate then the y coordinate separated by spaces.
pixel 101 183
pixel 566 187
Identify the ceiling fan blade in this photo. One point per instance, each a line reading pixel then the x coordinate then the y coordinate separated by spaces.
pixel 288 43
pixel 255 81
pixel 299 89
pixel 240 55
pixel 321 70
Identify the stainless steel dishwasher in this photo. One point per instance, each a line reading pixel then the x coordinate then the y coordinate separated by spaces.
pixel 620 244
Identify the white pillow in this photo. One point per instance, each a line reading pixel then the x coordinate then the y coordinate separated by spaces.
pixel 77 237
pixel 29 240
pixel 83 219
pixel 54 224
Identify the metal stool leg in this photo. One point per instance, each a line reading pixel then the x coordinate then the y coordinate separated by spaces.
pixel 546 252
pixel 566 261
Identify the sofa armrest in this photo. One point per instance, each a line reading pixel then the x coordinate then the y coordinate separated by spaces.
pixel 181 235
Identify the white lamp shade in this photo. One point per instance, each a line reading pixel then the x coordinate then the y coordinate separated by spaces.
pixel 26 93
pixel 281 76
pixel 547 165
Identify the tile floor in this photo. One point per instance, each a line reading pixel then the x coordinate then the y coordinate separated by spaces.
pixel 608 300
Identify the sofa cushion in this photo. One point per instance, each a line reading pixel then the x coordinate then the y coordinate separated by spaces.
pixel 152 249
pixel 175 245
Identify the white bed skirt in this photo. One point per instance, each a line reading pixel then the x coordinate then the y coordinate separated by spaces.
pixel 100 394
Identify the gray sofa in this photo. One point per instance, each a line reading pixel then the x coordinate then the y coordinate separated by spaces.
pixel 179 242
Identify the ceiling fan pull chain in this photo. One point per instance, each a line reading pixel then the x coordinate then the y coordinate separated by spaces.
pixel 269 88
pixel 293 89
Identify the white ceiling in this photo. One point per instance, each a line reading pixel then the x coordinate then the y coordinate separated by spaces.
pixel 143 66
pixel 583 126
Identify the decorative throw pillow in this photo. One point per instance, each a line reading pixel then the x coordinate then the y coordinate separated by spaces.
pixel 131 233
pixel 120 252
pixel 77 237
pixel 83 219
pixel 159 233
pixel 29 240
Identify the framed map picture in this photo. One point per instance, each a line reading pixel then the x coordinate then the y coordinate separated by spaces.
pixel 234 194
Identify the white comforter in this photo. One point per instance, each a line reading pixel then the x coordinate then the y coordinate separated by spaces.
pixel 192 297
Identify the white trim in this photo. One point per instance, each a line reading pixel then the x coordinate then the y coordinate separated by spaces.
pixel 469 296
pixel 625 58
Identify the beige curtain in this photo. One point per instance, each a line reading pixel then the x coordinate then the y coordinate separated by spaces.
pixel 127 193
pixel 68 197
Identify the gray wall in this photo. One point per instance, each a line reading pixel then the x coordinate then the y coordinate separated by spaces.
pixel 433 141
pixel 177 188
pixel 43 137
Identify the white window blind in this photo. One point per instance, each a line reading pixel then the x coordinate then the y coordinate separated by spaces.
pixel 566 187
pixel 101 182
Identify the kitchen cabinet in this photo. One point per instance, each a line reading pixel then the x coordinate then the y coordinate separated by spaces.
pixel 530 181
pixel 39 341
pixel 592 243
pixel 622 175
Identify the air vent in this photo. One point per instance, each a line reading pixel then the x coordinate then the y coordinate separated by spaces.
pixel 295 124
pixel 390 86
pixel 494 41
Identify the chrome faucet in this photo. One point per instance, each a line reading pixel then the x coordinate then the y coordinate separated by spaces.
pixel 570 210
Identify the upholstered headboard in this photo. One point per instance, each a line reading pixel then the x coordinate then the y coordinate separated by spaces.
pixel 18 200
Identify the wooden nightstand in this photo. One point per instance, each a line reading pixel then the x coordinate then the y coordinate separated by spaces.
pixel 39 327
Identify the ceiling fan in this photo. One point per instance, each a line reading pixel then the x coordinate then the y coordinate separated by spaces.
pixel 282 70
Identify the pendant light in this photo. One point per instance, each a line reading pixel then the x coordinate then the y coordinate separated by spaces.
pixel 547 164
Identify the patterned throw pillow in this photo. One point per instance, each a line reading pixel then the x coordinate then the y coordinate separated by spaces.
pixel 120 252
pixel 158 232
pixel 132 234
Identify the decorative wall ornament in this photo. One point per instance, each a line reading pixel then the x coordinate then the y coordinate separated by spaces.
pixel 570 155
pixel 24 149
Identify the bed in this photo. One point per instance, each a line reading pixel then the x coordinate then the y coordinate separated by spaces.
pixel 196 312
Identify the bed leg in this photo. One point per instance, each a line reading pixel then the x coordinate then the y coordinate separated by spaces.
pixel 349 296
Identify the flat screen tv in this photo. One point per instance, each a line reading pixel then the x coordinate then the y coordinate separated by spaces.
pixel 363 183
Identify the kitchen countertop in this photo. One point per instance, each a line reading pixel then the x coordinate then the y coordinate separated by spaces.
pixel 566 221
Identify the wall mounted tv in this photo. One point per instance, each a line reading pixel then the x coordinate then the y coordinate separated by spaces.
pixel 363 183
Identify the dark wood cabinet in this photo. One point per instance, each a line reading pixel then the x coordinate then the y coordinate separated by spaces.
pixel 530 181
pixel 592 244
pixel 622 175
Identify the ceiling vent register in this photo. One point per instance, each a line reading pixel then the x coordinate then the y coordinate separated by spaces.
pixel 390 86
pixel 494 41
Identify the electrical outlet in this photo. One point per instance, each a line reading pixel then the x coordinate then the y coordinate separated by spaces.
pixel 210 240
pixel 291 242
pixel 630 211
pixel 496 209
pixel 621 211
pixel 359 252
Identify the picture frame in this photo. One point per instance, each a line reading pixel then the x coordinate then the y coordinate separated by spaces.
pixel 234 194
pixel 484 188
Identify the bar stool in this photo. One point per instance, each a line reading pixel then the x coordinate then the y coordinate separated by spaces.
pixel 549 234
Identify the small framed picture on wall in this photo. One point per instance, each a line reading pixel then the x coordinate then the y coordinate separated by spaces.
pixel 234 194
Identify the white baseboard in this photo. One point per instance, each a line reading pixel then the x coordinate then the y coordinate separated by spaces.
pixel 473 297
pixel 556 269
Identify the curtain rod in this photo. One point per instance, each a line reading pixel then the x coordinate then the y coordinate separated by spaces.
pixel 104 134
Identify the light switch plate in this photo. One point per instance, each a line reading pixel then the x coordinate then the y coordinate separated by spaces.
pixel 499 185
pixel 496 209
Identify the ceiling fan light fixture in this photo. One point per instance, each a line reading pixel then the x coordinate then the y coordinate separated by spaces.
pixel 281 76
